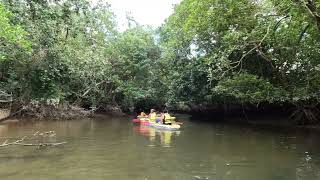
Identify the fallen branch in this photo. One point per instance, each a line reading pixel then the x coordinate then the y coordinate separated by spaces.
pixel 21 142
pixel 39 145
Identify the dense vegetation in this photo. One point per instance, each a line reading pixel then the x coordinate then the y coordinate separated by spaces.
pixel 207 53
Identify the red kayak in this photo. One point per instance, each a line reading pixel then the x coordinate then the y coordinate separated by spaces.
pixel 143 130
pixel 136 121
pixel 139 121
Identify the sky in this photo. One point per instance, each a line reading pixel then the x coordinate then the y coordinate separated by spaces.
pixel 145 12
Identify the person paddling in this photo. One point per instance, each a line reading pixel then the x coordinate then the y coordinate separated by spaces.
pixel 142 114
pixel 166 118
pixel 152 115
pixel 160 119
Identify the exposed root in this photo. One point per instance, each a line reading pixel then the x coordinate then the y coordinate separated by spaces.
pixel 305 115
pixel 51 111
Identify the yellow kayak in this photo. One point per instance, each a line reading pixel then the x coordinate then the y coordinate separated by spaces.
pixel 165 126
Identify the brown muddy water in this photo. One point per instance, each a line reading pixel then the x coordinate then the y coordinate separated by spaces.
pixel 113 148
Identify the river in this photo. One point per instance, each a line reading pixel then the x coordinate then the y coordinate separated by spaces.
pixel 113 148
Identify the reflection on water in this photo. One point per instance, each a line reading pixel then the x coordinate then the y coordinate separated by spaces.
pixel 164 135
pixel 3 130
pixel 113 148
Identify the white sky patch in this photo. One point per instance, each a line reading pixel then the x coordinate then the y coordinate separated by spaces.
pixel 145 12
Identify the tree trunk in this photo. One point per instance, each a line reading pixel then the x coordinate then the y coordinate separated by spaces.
pixel 312 8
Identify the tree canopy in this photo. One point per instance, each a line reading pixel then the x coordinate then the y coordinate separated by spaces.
pixel 208 52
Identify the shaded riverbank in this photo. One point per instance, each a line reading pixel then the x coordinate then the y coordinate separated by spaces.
pixel 272 115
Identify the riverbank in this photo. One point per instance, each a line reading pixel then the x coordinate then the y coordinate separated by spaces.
pixel 285 114
pixel 44 110
pixel 4 113
pixel 262 120
pixel 54 111
pixel 268 116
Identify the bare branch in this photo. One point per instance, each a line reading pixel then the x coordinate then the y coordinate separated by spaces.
pixel 251 50
pixel 312 8
pixel 21 142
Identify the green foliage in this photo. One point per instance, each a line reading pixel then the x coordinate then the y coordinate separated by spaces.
pixel 250 89
pixel 133 60
pixel 208 52
pixel 10 34
pixel 79 56
pixel 249 51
